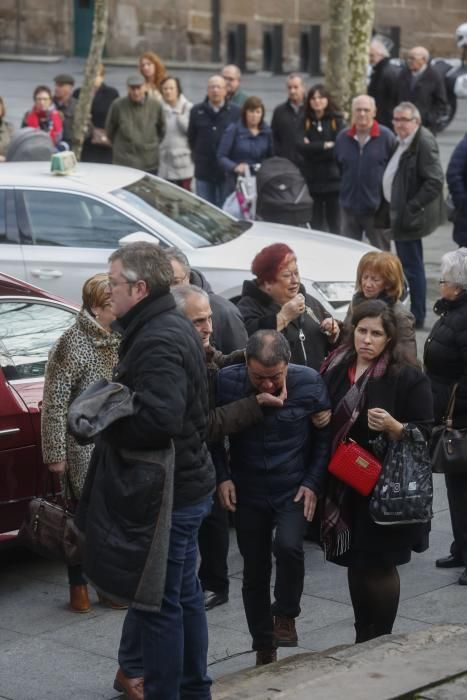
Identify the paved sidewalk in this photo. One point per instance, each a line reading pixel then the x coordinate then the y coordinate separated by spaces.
pixel 48 652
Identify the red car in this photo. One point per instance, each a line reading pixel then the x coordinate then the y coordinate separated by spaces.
pixel 31 320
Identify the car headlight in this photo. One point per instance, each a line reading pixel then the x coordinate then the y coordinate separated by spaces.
pixel 336 293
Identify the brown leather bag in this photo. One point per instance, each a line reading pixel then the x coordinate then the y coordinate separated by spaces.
pixel 48 528
pixel 99 137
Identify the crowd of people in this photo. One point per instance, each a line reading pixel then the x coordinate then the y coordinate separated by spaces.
pixel 283 382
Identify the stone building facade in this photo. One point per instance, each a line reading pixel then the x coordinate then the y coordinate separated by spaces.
pixel 277 35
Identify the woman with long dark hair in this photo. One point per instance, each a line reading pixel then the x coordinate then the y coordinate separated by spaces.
pixel 322 124
pixel 376 388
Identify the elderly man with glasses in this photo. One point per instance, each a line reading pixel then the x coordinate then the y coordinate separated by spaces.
pixel 413 187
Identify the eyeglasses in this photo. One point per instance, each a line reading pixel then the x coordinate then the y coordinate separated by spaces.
pixel 403 119
pixel 289 275
pixel 111 284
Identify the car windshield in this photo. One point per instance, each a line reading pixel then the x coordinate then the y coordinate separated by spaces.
pixel 194 220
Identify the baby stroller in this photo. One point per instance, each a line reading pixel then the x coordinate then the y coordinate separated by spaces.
pixel 30 144
pixel 283 195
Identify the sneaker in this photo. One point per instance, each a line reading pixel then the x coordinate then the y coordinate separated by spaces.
pixel 266 656
pixel 285 633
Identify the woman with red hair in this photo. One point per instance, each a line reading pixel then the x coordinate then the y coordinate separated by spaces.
pixel 276 299
pixel 153 71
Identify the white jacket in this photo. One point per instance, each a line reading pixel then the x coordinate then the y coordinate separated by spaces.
pixel 175 154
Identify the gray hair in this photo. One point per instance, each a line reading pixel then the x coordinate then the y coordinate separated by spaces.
pixel 268 347
pixel 368 97
pixel 409 107
pixel 144 261
pixel 454 267
pixel 174 253
pixel 292 76
pixel 237 70
pixel 379 47
pixel 183 292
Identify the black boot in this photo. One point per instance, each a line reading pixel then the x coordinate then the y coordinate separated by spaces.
pixel 364 633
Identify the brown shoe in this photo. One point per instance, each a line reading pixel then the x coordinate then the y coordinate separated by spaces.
pixel 285 633
pixel 111 603
pixel 133 688
pixel 79 600
pixel 266 656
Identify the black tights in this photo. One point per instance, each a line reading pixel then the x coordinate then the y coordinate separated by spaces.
pixel 375 598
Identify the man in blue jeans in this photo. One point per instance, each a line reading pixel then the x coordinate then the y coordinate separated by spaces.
pixel 277 469
pixel 161 361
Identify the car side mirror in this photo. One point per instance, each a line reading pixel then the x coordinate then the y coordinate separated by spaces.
pixel 138 237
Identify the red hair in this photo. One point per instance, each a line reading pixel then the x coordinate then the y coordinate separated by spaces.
pixel 267 263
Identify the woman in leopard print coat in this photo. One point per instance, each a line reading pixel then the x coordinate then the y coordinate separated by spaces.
pixel 86 352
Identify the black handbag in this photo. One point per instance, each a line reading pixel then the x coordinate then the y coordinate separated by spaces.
pixel 48 527
pixel 448 446
pixel 403 494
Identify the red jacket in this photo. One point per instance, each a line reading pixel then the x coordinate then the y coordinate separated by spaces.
pixel 49 121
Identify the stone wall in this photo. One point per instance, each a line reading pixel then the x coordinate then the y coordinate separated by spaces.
pixel 181 29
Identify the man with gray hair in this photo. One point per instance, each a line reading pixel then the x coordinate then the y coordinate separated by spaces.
pixel 383 82
pixel 362 153
pixel 275 476
pixel 413 188
pixel 422 85
pixel 228 333
pixel 208 121
pixel 213 538
pixel 161 361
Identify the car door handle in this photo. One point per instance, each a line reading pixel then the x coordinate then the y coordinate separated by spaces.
pixel 46 273
pixel 9 431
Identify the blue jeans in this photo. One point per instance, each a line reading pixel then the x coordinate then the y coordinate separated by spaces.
pixel 214 192
pixel 172 645
pixel 411 256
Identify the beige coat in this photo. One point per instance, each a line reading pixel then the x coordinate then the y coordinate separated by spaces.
pixel 82 355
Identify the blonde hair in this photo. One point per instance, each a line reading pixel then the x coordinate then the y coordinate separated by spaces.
pixel 389 267
pixel 96 291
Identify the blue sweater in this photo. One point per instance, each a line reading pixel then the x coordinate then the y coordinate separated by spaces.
pixel 363 168
pixel 272 459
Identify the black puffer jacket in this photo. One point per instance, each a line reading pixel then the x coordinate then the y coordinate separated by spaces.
pixel 162 360
pixel 383 88
pixel 307 343
pixel 445 358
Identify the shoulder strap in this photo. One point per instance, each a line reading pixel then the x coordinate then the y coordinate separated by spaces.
pixel 450 410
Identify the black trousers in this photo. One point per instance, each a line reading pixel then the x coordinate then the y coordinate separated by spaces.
pixel 326 212
pixel 457 496
pixel 213 541
pixel 255 525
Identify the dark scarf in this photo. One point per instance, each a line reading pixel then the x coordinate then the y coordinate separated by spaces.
pixel 336 517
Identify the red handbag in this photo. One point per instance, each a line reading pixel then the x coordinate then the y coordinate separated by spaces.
pixel 355 466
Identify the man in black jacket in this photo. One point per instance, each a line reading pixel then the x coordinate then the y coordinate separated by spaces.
pixel 228 332
pixel 383 82
pixel 421 84
pixel 161 360
pixel 208 121
pixel 288 121
pixel 413 187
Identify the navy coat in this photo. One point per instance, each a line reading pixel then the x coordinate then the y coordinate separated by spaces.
pixel 272 459
pixel 205 130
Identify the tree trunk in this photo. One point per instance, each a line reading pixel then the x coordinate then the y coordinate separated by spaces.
pixel 361 25
pixel 83 108
pixel 338 50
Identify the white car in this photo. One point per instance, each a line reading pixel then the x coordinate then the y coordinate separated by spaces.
pixel 55 231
